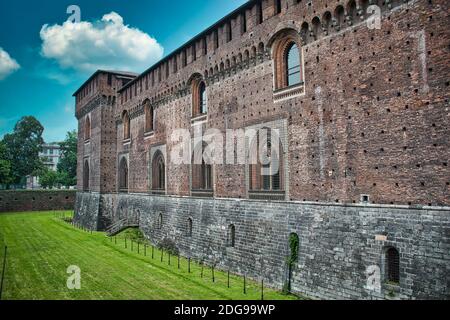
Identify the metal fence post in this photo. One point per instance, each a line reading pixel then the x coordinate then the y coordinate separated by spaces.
pixel 3 272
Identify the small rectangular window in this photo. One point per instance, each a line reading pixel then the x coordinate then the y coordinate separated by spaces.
pixel 194 52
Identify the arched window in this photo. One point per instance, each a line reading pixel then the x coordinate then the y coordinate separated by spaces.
pixel 189 227
pixel 123 175
pixel 231 237
pixel 199 97
pixel 339 16
pixel 86 175
pixel 126 125
pixel 148 111
pixel 288 70
pixel 266 162
pixel 201 171
pixel 158 172
pixel 87 129
pixel 292 65
pixel 392 265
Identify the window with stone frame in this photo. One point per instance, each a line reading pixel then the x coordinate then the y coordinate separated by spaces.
pixel 149 117
pixel 202 173
pixel 126 125
pixel 288 64
pixel 86 174
pixel 265 170
pixel 158 172
pixel 87 129
pixel 123 175
pixel 199 97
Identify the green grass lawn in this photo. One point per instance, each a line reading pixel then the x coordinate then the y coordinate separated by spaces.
pixel 41 247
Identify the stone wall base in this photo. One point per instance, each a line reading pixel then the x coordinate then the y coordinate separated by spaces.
pixel 341 248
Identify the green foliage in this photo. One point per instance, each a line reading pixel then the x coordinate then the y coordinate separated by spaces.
pixel 48 178
pixel 22 148
pixel 293 246
pixel 67 165
pixel 168 245
pixel 291 260
pixel 134 234
pixel 5 166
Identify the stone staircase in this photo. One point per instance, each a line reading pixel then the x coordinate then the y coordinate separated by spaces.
pixel 121 224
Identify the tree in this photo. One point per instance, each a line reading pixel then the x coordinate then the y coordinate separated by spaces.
pixel 67 165
pixel 5 166
pixel 23 147
pixel 48 178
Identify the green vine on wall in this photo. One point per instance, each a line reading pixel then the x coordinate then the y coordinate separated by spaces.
pixel 291 259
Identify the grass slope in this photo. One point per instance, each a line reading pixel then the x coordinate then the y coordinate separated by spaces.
pixel 41 247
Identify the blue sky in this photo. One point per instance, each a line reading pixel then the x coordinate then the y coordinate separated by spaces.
pixel 39 70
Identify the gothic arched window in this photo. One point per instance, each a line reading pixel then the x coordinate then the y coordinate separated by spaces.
pixel 148 112
pixel 123 175
pixel 199 97
pixel 158 172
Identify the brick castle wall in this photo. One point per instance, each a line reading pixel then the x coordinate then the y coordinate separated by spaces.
pixel 39 200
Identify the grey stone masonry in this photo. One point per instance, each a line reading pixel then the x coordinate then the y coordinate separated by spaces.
pixel 340 245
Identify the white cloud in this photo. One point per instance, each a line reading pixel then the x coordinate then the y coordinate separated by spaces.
pixel 105 44
pixel 7 64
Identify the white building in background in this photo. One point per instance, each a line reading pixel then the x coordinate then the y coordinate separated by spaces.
pixel 50 155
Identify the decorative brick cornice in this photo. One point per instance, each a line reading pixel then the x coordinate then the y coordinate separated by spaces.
pixel 91 105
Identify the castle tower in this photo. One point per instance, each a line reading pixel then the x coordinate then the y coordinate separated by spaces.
pixel 96 165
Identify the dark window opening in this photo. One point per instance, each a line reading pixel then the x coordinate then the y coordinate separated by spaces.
pixel 393 265
pixel 158 172
pixel 244 22
pixel 123 175
pixel 277 6
pixel 86 176
pixel 231 238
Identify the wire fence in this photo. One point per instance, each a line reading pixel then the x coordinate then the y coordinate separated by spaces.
pixel 193 266
pixel 188 268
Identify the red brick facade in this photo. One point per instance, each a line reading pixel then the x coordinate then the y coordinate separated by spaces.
pixel 370 116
